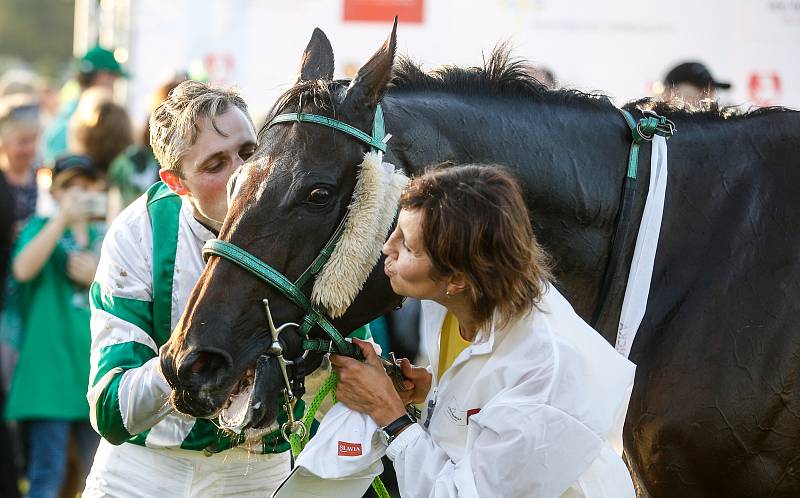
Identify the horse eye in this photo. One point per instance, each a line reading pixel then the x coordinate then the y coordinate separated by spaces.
pixel 319 196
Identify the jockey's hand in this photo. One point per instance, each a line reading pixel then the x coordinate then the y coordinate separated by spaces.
pixel 417 382
pixel 365 387
pixel 81 267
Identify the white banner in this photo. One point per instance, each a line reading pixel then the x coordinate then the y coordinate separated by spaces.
pixel 620 47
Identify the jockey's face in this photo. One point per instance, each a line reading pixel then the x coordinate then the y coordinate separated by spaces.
pixel 209 163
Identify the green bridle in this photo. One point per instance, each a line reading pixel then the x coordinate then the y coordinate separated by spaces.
pixel 314 314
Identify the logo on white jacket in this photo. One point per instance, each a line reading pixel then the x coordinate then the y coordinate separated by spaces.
pixel 349 449
pixel 455 414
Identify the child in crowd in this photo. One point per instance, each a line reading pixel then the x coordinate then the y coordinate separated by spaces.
pixel 54 262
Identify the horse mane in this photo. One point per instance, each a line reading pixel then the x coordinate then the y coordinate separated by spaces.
pixel 505 76
pixel 500 75
pixel 706 110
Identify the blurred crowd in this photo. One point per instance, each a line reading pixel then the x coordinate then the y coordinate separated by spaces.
pixel 66 170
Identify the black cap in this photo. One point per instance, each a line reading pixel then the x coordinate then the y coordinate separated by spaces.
pixel 71 165
pixel 695 73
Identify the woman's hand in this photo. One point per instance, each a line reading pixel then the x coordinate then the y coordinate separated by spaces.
pixel 365 387
pixel 417 383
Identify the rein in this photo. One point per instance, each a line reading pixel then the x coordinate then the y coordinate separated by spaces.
pixel 641 131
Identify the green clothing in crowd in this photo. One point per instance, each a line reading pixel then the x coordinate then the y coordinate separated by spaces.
pixel 133 172
pixel 52 372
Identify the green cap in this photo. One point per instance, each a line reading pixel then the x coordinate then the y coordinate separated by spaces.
pixel 100 59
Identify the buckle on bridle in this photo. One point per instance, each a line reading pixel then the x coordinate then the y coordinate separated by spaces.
pixel 290 395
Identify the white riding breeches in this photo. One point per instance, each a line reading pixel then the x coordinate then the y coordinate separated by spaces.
pixel 129 470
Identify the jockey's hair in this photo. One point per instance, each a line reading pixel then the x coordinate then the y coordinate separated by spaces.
pixel 475 223
pixel 174 122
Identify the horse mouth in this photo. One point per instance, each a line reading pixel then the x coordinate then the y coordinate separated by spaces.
pixel 247 407
pixel 238 409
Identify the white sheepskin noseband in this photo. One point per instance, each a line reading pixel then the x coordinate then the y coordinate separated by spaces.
pixel 372 212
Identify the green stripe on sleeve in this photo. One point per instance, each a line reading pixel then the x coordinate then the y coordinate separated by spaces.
pixel 139 313
pixel 125 355
pixel 109 416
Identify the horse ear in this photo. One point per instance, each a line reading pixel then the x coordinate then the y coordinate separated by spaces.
pixel 370 81
pixel 317 63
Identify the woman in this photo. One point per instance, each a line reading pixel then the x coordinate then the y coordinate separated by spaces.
pixel 522 397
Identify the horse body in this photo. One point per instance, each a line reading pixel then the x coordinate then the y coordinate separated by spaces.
pixel 715 409
pixel 720 327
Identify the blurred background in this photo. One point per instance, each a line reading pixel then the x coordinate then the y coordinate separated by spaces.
pixel 621 47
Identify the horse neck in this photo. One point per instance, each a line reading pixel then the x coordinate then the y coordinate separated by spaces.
pixel 570 159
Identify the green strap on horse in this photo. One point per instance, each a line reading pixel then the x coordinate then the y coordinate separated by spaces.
pixel 643 131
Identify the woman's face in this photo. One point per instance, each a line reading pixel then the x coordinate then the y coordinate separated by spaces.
pixel 407 264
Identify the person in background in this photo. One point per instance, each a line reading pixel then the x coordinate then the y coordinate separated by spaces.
pixel 691 82
pixel 54 262
pixel 136 169
pixel 98 68
pixel 522 398
pixel 99 128
pixel 19 135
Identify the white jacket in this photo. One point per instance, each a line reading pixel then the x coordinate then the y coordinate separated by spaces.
pixel 536 410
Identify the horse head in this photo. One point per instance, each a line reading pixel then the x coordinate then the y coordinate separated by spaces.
pixel 286 204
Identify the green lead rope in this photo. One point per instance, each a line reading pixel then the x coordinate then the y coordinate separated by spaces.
pixel 297 443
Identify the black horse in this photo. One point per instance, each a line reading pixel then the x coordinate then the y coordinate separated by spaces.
pixel 716 405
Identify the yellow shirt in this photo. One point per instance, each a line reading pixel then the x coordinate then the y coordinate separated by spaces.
pixel 451 344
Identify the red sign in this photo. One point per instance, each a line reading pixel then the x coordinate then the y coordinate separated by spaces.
pixel 349 449
pixel 383 10
pixel 764 88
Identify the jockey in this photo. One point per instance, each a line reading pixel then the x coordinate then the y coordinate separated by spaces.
pixel 150 261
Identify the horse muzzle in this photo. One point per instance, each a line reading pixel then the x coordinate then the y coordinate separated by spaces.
pixel 200 380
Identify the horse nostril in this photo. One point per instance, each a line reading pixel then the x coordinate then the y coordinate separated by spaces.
pixel 199 363
pixel 207 365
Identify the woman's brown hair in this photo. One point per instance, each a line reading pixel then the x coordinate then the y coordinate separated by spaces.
pixel 475 222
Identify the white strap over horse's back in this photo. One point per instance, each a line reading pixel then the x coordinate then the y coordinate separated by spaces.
pixel 644 255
